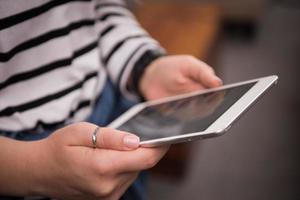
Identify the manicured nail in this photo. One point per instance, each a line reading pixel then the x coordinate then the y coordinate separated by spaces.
pixel 131 141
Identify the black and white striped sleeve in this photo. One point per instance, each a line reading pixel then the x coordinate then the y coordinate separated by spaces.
pixel 126 48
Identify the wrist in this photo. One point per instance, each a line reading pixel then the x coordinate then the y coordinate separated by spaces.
pixel 18 171
pixel 37 165
pixel 139 70
pixel 145 80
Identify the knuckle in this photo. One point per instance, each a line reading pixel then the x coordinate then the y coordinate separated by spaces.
pixel 190 58
pixel 103 170
pixel 104 137
pixel 101 187
pixel 83 124
pixel 111 138
pixel 107 130
pixel 206 66
pixel 102 190
pixel 179 81
pixel 80 126
pixel 209 68
pixel 212 70
pixel 151 161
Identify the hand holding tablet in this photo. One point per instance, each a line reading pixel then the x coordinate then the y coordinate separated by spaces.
pixel 204 114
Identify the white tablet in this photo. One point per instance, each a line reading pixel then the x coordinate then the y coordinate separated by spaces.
pixel 193 116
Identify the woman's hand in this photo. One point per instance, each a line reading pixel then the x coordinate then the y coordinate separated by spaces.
pixel 66 166
pixel 172 75
pixel 75 170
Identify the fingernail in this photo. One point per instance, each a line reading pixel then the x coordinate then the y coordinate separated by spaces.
pixel 219 80
pixel 131 141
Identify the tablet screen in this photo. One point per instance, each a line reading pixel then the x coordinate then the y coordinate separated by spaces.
pixel 187 115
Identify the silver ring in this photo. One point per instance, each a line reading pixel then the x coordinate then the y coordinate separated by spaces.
pixel 94 137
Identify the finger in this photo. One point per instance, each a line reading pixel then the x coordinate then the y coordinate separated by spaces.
pixel 193 86
pixel 137 160
pixel 202 73
pixel 106 138
pixel 116 185
pixel 124 185
pixel 109 138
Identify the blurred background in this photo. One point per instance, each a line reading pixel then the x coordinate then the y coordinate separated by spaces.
pixel 242 39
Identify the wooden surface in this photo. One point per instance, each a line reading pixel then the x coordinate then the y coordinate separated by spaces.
pixel 181 29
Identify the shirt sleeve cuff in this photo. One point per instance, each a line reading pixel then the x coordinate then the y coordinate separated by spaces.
pixel 131 89
pixel 139 68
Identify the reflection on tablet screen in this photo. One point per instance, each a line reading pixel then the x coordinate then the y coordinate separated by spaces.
pixel 188 115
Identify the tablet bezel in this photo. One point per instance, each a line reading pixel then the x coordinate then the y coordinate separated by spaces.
pixel 219 126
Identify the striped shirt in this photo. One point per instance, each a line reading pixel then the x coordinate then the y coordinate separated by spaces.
pixel 56 55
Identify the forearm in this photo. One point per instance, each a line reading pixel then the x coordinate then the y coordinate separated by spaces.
pixel 18 167
pixel 123 36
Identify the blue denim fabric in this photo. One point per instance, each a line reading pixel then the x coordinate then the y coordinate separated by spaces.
pixel 110 105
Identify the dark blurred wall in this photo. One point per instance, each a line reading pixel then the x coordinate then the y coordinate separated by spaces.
pixel 259 158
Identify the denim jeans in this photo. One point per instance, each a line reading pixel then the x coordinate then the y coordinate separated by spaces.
pixel 109 105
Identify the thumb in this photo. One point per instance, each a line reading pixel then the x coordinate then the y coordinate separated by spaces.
pixel 106 138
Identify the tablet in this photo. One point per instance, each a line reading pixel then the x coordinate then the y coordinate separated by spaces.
pixel 198 115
